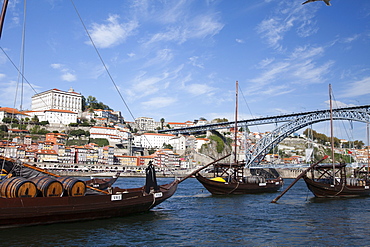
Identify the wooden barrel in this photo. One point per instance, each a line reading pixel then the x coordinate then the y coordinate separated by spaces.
pixel 17 187
pixel 73 186
pixel 48 186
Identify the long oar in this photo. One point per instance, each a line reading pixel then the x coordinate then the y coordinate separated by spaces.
pixel 299 177
pixel 203 167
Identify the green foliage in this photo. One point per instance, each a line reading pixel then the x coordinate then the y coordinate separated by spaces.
pixel 220 144
pixel 321 138
pixel 35 119
pixel 43 131
pixel 43 123
pixel 220 120
pixel 85 124
pixel 100 141
pixel 167 146
pixel 9 120
pixel 356 144
pixel 78 133
pixel 4 128
pixel 92 102
pixel 77 142
pixel 38 130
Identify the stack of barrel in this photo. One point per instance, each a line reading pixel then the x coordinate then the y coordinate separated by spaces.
pixel 43 186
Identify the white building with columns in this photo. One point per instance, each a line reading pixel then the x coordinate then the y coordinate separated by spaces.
pixel 57 99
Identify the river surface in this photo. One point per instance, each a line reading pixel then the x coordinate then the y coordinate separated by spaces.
pixel 193 217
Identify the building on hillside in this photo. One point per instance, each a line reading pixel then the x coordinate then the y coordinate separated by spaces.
pixel 178 143
pixel 113 135
pixel 7 112
pixel 47 155
pixel 145 124
pixel 103 116
pixel 54 116
pixel 175 125
pixel 27 140
pixel 17 131
pixel 57 99
pixel 152 140
pixel 165 158
pixel 200 142
pixel 125 160
pixel 55 138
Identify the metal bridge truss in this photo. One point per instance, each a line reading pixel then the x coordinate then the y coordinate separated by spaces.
pixel 258 121
pixel 258 151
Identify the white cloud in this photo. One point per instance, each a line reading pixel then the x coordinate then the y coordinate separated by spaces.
pixel 351 39
pixel 197 27
pixel 56 66
pixel 281 75
pixel 162 56
pixel 338 104
pixel 195 62
pixel 159 102
pixel 357 88
pixel 199 89
pixel 67 74
pixel 68 77
pixel 112 33
pixel 240 41
pixel 289 16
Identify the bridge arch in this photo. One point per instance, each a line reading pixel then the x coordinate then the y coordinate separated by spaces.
pixel 258 151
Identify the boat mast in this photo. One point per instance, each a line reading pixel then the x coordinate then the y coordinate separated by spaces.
pixel 331 132
pixel 2 16
pixel 368 144
pixel 236 121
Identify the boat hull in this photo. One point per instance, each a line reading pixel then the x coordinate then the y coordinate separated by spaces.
pixel 222 188
pixel 27 211
pixel 324 190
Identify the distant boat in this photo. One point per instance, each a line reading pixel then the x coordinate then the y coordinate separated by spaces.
pixel 332 180
pixel 229 177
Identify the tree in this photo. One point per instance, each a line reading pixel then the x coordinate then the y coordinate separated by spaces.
pixel 220 120
pixel 167 146
pixel 35 119
pixel 162 122
pixel 4 128
pixel 92 103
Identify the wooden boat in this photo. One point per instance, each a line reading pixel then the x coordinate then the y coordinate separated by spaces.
pixel 332 180
pixel 33 196
pixel 229 177
pixel 22 204
pixel 342 185
pixel 237 183
pixel 102 183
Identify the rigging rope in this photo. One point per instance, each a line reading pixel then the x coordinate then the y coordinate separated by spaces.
pixel 105 67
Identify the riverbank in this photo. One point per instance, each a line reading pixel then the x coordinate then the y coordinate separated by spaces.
pixel 284 173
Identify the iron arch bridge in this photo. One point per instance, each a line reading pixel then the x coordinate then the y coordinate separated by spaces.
pixel 258 151
pixel 293 122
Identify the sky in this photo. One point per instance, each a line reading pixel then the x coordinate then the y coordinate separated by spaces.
pixel 179 60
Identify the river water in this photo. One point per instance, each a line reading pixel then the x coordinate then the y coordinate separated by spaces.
pixel 193 217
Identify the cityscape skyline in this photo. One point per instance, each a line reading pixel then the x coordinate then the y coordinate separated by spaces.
pixel 180 60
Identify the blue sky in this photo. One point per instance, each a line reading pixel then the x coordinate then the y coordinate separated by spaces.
pixel 179 60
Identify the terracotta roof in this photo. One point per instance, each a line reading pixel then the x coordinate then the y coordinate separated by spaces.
pixel 11 110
